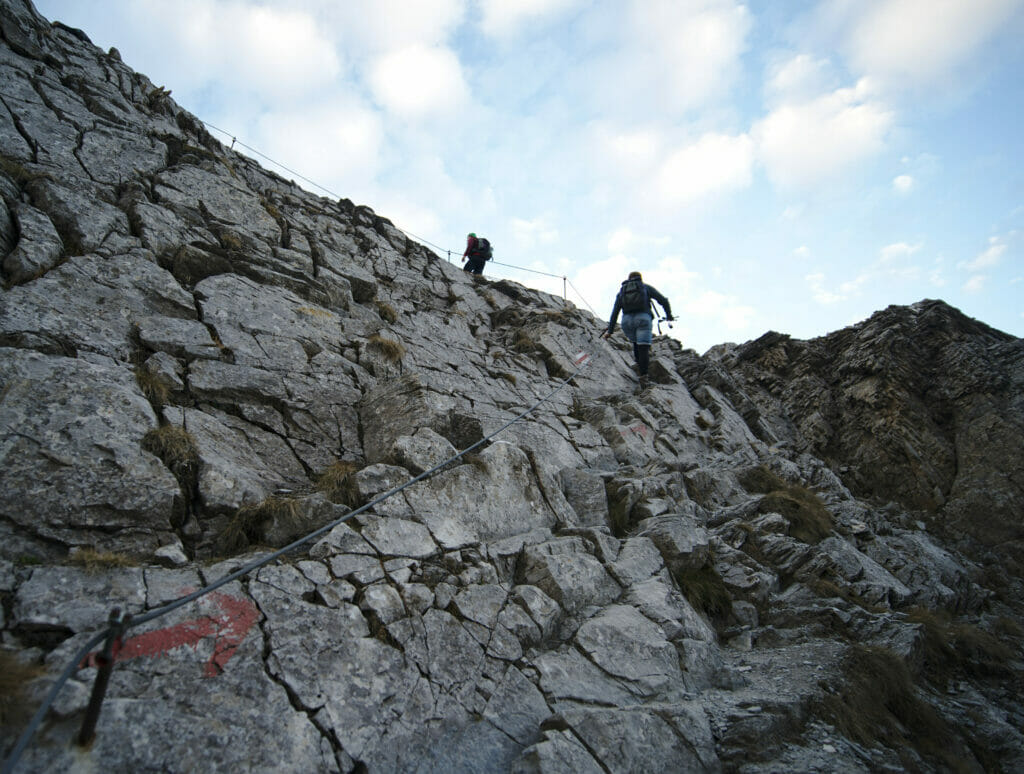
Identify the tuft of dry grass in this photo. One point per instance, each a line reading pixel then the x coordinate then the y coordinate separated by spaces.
pixel 390 349
pixel 15 675
pixel 335 481
pixel 953 648
pixel 387 312
pixel 94 561
pixel 523 342
pixel 246 527
pixel 706 591
pixel 877 703
pixel 152 387
pixel 229 240
pixel 314 311
pixel 508 377
pixel 810 521
pixel 176 447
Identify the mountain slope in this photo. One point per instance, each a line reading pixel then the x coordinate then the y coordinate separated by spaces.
pixel 778 556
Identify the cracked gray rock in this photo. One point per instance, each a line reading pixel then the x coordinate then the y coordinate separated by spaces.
pixel 595 589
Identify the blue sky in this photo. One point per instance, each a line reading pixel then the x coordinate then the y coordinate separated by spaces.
pixel 787 166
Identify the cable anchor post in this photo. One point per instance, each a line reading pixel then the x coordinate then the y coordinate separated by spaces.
pixel 118 621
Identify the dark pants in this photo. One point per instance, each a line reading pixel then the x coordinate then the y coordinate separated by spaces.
pixel 474 266
pixel 637 327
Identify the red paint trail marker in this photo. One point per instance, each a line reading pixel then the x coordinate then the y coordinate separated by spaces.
pixel 236 618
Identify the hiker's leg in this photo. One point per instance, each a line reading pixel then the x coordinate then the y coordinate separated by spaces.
pixel 643 343
pixel 643 358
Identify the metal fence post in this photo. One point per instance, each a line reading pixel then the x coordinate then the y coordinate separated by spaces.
pixel 105 663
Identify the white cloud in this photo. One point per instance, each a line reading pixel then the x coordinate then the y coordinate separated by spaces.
pixel 911 42
pixel 722 308
pixel 624 241
pixel 696 45
pixel 903 184
pixel 528 234
pixel 975 284
pixel 798 79
pixel 635 149
pixel 898 250
pixel 715 164
pixel 506 17
pixel 803 252
pixel 804 143
pixel 276 52
pixel 419 81
pixel 337 143
pixel 989 257
pixel 661 57
pixel 816 283
pixel 372 26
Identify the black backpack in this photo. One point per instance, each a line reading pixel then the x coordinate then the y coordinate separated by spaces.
pixel 483 249
pixel 634 296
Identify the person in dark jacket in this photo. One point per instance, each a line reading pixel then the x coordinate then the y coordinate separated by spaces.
pixel 634 300
pixel 474 257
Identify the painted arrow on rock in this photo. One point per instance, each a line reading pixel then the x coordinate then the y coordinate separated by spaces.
pixel 237 617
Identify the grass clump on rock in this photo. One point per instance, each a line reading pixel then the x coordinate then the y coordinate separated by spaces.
pixel 387 312
pixel 153 387
pixel 248 523
pixel 94 561
pixel 706 591
pixel 389 349
pixel 956 648
pixel 876 703
pixel 176 448
pixel 335 481
pixel 809 519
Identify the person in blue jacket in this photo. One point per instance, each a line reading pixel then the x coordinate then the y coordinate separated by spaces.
pixel 635 300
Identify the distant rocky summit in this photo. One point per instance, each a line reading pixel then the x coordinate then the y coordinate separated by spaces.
pixel 782 555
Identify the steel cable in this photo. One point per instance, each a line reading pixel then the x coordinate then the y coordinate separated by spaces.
pixel 582 360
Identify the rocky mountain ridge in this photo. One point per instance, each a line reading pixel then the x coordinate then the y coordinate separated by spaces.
pixel 795 555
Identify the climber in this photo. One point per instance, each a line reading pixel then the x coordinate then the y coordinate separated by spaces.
pixel 634 300
pixel 478 252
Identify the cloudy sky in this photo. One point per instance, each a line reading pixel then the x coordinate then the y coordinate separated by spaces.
pixel 787 166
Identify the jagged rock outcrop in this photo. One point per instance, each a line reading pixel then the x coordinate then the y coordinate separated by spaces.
pixel 783 555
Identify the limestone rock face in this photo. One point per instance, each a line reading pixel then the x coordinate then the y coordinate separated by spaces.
pixel 742 567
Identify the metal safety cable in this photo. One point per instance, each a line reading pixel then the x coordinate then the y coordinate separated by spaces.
pixel 581 360
pixel 407 233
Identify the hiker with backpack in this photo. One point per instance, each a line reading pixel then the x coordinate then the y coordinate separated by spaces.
pixel 635 302
pixel 478 252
